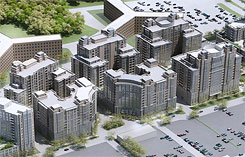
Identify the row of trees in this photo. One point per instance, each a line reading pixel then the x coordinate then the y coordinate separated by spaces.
pixel 41 17
pixel 133 147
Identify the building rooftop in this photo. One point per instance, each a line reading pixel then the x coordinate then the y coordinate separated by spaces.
pixel 35 67
pixel 238 24
pixel 6 42
pixel 12 107
pixel 82 90
pixel 62 74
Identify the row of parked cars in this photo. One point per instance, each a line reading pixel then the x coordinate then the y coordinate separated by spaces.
pixel 198 146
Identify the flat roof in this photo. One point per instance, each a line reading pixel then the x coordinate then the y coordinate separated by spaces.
pixel 6 42
pixel 12 107
pixel 34 68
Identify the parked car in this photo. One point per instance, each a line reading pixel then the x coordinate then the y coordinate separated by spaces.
pixel 66 149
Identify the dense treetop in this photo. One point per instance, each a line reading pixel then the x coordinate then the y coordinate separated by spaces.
pixel 41 16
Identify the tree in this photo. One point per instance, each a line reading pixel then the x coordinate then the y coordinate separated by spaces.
pixel 193 114
pixel 114 122
pixel 49 152
pixel 222 106
pixel 133 147
pixel 180 110
pixel 166 120
pixel 3 77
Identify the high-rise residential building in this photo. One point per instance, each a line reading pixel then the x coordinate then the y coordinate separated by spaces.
pixel 22 49
pixel 58 118
pixel 29 76
pixel 151 89
pixel 61 78
pixel 17 124
pixel 165 37
pixel 207 72
pixel 235 31
pixel 101 52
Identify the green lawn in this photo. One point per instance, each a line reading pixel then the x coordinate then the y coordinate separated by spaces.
pixel 229 10
pixel 131 40
pixel 237 5
pixel 75 37
pixel 12 31
pixel 99 15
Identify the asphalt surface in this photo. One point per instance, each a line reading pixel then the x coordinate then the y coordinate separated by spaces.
pixel 219 121
pixel 101 150
pixel 206 6
pixel 161 147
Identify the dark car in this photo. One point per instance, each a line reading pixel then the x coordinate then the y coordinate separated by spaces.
pixel 66 149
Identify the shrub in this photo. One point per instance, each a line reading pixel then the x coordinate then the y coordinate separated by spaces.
pixel 114 122
pixel 222 106
pixel 133 147
pixel 193 114
pixel 166 120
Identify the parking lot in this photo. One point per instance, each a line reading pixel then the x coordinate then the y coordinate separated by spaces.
pixel 204 132
pixel 159 147
pixel 103 149
pixel 206 8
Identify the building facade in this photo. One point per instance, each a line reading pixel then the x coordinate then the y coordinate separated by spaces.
pixel 61 78
pixel 22 49
pixel 151 89
pixel 17 124
pixel 207 73
pixel 101 52
pixel 58 118
pixel 165 37
pixel 29 76
pixel 236 30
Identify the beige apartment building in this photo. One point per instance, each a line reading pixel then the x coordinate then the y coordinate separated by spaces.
pixel 98 53
pixel 207 73
pixel 29 76
pixel 22 49
pixel 58 118
pixel 165 37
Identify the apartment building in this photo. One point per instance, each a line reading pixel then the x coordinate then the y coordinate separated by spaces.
pixel 236 30
pixel 58 118
pixel 207 72
pixel 16 125
pixel 101 52
pixel 29 76
pixel 151 89
pixel 165 37
pixel 61 78
pixel 22 49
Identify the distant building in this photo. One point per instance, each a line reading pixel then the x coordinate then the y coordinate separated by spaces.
pixel 151 89
pixel 236 30
pixel 29 76
pixel 61 78
pixel 107 50
pixel 57 118
pixel 207 73
pixel 22 49
pixel 17 125
pixel 165 37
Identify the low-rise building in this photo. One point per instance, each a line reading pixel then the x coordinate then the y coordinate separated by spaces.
pixel 151 89
pixel 206 73
pixel 58 118
pixel 235 31
pixel 16 125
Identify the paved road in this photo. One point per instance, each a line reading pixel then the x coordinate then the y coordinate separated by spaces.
pixel 180 141
pixel 89 19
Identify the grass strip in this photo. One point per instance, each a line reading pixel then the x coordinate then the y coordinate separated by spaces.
pixel 229 10
pixel 216 132
pixel 237 5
